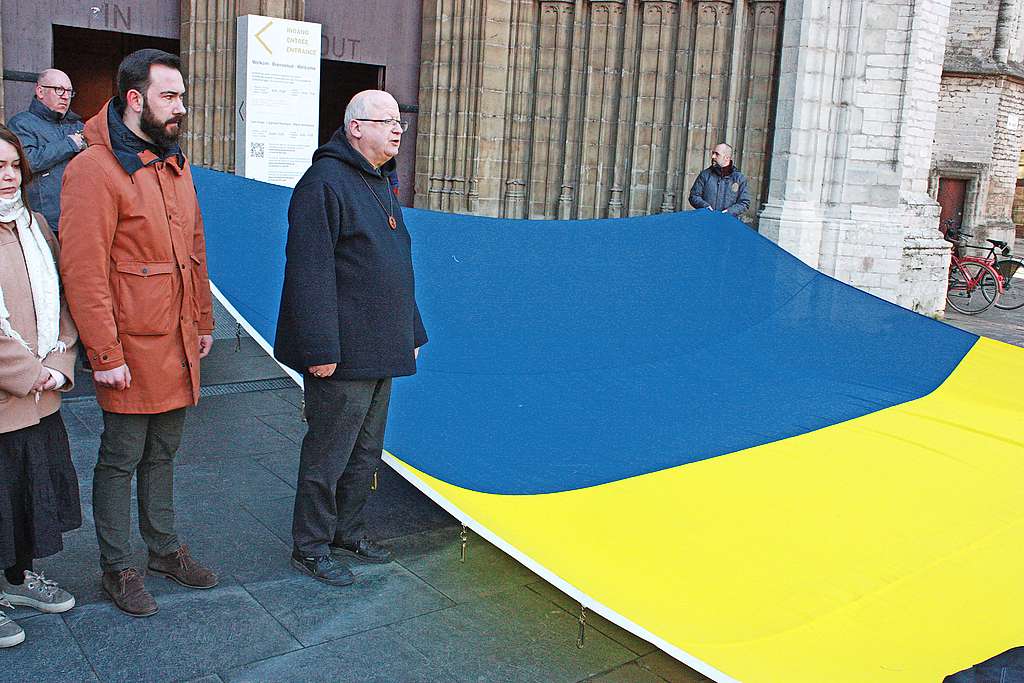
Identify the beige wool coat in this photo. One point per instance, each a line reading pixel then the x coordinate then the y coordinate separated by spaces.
pixel 19 367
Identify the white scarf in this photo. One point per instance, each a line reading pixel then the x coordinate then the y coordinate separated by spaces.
pixel 42 276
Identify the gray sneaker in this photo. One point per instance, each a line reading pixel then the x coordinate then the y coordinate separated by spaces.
pixel 38 592
pixel 10 633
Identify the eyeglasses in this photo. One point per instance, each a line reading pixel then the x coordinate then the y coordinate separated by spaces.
pixel 60 90
pixel 393 123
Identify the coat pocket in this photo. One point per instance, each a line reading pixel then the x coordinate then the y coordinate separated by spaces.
pixel 145 301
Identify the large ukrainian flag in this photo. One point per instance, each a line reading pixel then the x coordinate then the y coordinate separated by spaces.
pixel 771 475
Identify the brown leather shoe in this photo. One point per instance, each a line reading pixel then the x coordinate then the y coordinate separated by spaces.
pixel 181 567
pixel 129 593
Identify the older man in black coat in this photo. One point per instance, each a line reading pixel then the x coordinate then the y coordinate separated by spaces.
pixel 349 323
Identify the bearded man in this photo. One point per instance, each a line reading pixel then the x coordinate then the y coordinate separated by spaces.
pixel 133 262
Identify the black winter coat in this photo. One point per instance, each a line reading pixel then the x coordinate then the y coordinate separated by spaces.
pixel 349 293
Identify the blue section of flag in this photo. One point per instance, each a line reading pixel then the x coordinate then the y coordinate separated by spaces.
pixel 567 354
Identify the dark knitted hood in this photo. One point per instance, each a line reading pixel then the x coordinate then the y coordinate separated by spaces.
pixel 338 147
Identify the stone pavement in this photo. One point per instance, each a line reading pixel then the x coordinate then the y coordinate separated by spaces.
pixel 424 617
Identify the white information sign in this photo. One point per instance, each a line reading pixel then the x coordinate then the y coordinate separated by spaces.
pixel 277 90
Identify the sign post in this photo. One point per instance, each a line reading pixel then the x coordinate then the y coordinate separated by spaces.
pixel 278 93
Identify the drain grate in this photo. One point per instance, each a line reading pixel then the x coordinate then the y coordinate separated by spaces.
pixel 219 389
pixel 246 387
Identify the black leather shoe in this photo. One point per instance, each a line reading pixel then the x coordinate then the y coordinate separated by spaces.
pixel 326 569
pixel 366 550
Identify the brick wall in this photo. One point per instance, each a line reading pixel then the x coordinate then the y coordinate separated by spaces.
pixel 1009 138
pixel 980 127
pixel 972 28
pixel 968 108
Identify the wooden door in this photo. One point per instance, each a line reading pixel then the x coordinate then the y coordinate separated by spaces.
pixel 952 193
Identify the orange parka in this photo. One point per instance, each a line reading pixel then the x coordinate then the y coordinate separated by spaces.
pixel 133 265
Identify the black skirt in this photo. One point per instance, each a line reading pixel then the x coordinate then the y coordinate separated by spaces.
pixel 38 491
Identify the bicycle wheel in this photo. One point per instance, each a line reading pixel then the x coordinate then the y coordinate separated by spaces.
pixel 1013 287
pixel 972 287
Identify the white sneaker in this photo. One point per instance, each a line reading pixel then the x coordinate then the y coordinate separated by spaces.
pixel 38 592
pixel 10 633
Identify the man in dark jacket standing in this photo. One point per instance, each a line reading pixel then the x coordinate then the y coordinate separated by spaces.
pixel 52 135
pixel 721 187
pixel 349 323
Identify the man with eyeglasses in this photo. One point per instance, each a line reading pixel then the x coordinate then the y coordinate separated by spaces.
pixel 52 135
pixel 349 323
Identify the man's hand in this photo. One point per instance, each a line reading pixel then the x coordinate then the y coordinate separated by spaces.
pixel 44 379
pixel 323 370
pixel 416 353
pixel 118 378
pixel 78 140
pixel 205 344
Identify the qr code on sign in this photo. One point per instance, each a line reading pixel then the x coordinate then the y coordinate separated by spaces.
pixel 256 150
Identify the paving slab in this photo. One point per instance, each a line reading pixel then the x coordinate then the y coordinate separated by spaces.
pixel 228 357
pixel 1007 326
pixel 630 672
pixel 227 481
pixel 210 439
pixel 194 634
pixel 275 514
pixel 49 653
pixel 232 542
pixel 289 425
pixel 87 412
pixel 670 669
pixel 594 620
pixel 315 612
pixel 77 429
pixel 284 464
pixel 245 404
pixel 396 509
pixel 434 557
pixel 511 636
pixel 377 656
pixel 292 395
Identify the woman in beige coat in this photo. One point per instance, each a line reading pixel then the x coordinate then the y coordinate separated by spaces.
pixel 38 484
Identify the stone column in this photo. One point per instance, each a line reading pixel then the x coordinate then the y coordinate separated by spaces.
pixel 793 214
pixel 853 144
pixel 208 58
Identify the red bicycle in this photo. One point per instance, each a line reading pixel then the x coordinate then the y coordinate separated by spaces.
pixel 1011 270
pixel 974 284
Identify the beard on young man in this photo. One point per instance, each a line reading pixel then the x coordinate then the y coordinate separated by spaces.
pixel 160 132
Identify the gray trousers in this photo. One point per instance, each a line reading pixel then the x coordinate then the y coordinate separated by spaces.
pixel 145 444
pixel 340 452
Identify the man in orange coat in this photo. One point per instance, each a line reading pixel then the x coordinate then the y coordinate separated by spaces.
pixel 134 268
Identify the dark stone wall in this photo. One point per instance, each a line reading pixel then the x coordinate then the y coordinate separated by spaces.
pixel 28 33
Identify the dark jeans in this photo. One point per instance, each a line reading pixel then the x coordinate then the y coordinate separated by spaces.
pixel 136 443
pixel 340 451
